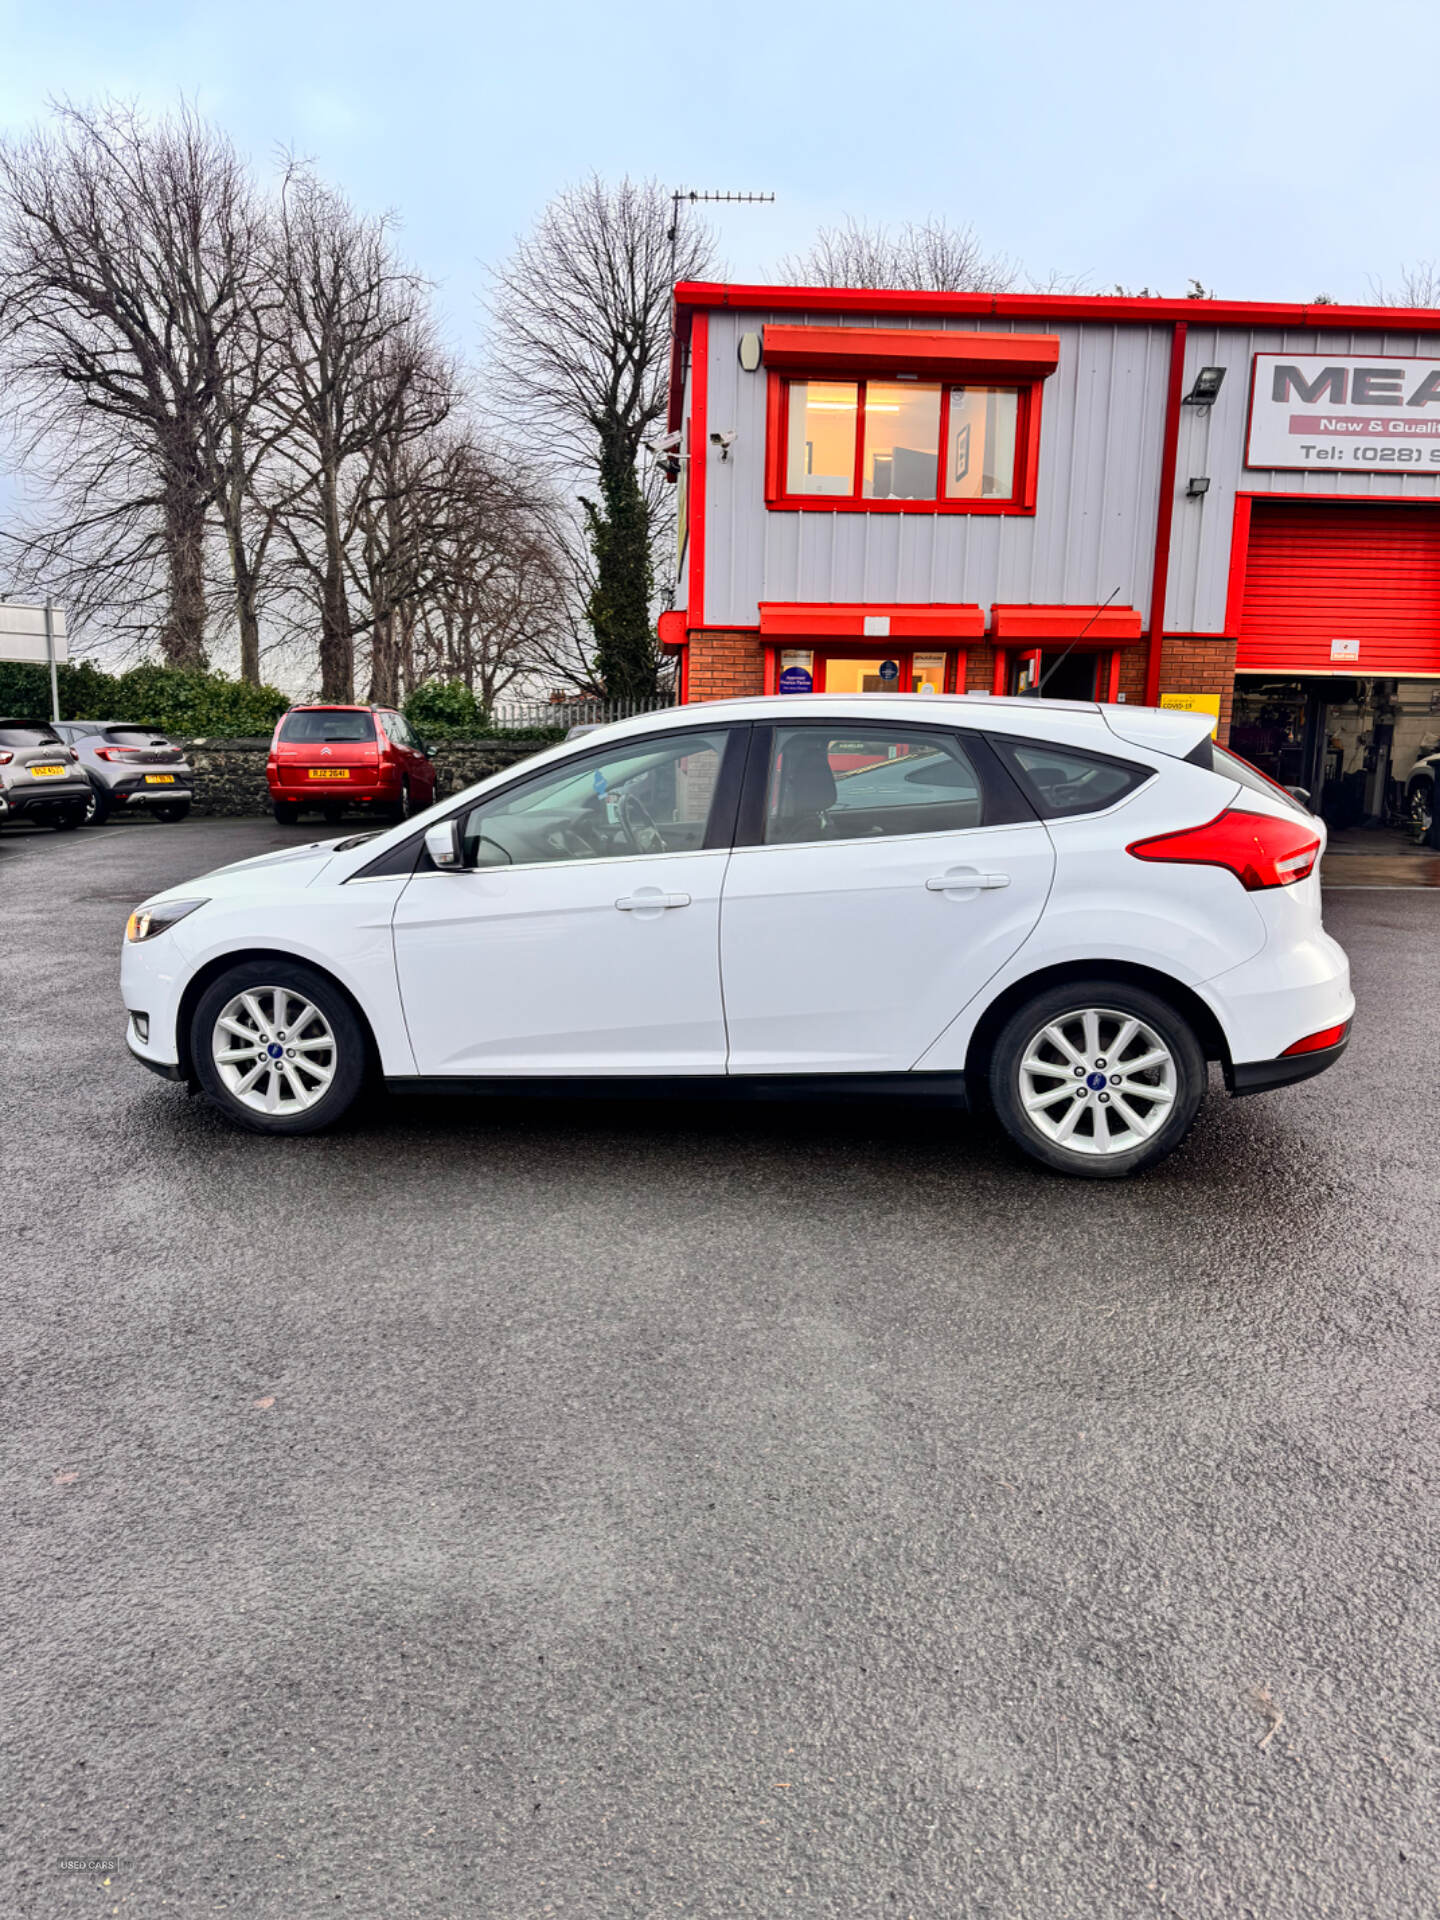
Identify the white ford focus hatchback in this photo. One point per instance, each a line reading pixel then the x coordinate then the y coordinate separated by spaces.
pixel 1060 912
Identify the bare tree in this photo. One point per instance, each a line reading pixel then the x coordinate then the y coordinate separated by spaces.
pixel 352 360
pixel 496 610
pixel 918 256
pixel 126 261
pixel 581 316
pixel 1418 286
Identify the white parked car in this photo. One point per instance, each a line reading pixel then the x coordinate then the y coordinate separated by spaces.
pixel 1059 911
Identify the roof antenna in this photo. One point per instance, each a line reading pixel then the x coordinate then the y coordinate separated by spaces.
pixel 1053 670
pixel 694 199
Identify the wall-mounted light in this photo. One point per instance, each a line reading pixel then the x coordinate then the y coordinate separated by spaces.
pixel 1206 390
pixel 749 351
pixel 1199 485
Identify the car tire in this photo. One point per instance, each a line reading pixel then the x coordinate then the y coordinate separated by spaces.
pixel 169 815
pixel 286 813
pixel 1420 802
pixel 404 807
pixel 97 808
pixel 1036 1063
pixel 67 819
pixel 281 991
pixel 332 816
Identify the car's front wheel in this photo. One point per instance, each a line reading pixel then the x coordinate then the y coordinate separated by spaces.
pixel 278 1047
pixel 1097 1078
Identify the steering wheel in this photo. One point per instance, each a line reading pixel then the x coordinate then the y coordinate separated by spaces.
pixel 638 826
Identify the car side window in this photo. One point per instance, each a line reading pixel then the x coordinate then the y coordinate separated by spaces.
pixel 1063 781
pixel 646 797
pixel 849 781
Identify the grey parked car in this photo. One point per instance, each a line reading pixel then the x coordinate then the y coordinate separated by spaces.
pixel 39 780
pixel 131 766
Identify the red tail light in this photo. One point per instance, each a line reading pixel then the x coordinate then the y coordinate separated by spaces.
pixel 1317 1042
pixel 5 759
pixel 1259 849
pixel 119 753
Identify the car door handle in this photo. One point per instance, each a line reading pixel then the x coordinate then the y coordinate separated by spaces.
pixel 965 880
pixel 651 900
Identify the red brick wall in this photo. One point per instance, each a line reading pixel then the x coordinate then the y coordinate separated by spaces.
pixel 725 666
pixel 1192 665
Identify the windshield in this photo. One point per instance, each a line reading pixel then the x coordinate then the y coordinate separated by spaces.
pixel 23 736
pixel 316 724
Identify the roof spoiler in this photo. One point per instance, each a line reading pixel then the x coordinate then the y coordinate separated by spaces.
pixel 1172 730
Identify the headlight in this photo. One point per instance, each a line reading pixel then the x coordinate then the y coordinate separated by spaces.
pixel 146 922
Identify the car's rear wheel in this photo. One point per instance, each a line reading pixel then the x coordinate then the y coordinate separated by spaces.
pixel 278 1047
pixel 286 812
pixel 68 818
pixel 1097 1078
pixel 175 810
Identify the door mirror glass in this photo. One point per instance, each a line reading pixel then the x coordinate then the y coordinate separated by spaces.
pixel 444 842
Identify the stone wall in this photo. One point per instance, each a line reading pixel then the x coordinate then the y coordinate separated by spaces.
pixel 230 774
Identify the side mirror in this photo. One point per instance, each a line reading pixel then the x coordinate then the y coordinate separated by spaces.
pixel 445 844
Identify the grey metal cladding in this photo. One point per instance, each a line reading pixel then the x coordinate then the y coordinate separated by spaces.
pixel 1213 444
pixel 1092 533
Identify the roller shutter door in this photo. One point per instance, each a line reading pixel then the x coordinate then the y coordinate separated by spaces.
pixel 1322 573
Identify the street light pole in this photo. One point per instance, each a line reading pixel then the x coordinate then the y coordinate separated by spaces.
pixel 50 656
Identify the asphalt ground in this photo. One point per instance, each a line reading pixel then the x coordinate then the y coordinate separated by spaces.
pixel 607 1510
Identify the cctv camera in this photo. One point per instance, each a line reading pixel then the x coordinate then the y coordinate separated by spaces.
pixel 724 441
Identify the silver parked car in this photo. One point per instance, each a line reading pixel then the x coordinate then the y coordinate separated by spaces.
pixel 131 766
pixel 39 780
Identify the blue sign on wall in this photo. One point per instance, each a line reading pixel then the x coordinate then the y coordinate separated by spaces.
pixel 796 680
pixel 889 671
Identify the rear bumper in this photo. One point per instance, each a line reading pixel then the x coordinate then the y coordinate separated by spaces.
pixel 36 799
pixel 132 791
pixel 1259 1076
pixel 332 792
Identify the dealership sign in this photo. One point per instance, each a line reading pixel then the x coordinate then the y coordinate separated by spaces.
pixel 1360 414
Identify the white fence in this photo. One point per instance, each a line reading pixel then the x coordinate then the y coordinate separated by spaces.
pixel 514 715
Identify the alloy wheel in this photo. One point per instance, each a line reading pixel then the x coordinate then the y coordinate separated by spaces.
pixel 274 1050
pixel 1097 1081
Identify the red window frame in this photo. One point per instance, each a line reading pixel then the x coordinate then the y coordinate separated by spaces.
pixel 777 437
pixel 903 654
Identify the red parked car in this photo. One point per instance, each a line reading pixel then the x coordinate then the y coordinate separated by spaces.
pixel 335 757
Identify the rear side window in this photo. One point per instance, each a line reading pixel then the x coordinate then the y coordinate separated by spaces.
pixel 328 724
pixel 1062 781
pixel 1234 768
pixel 857 781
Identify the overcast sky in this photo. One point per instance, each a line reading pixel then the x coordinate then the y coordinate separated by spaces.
pixel 1274 149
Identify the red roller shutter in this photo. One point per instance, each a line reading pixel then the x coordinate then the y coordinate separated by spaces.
pixel 1316 574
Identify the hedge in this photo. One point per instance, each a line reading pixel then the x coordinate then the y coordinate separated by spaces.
pixel 189 705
